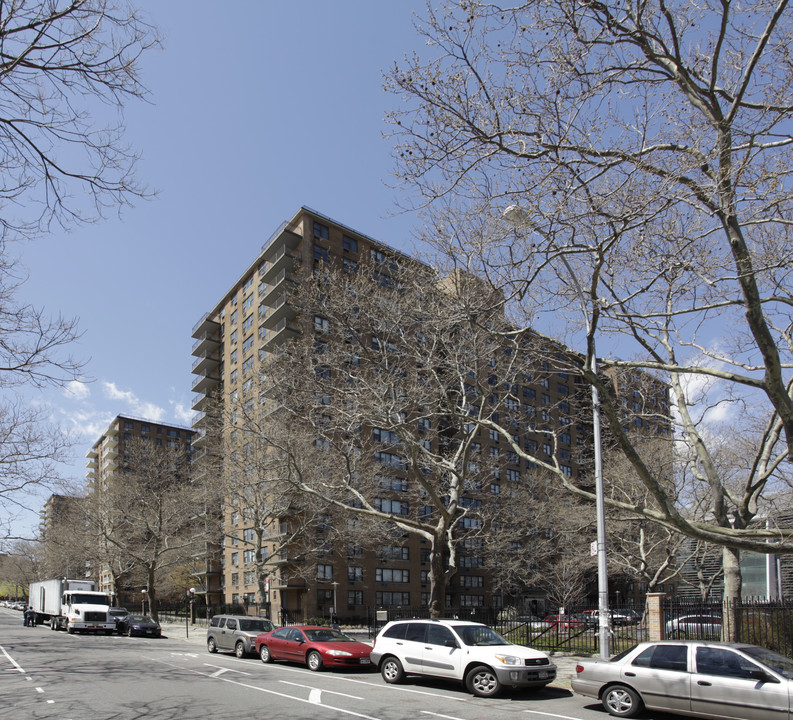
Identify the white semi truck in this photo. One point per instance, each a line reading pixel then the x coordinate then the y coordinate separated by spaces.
pixel 71 605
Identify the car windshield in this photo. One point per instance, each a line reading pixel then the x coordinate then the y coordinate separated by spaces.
pixel 256 625
pixel 479 635
pixel 780 663
pixel 327 635
pixel 140 619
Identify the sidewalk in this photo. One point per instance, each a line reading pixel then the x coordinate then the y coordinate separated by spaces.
pixel 197 635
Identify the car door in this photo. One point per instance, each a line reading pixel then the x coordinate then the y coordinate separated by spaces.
pixel 411 649
pixel 226 637
pixel 441 654
pixel 726 685
pixel 660 674
pixel 277 643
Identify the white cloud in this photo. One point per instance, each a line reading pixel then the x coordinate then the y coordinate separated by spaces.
pixel 135 405
pixel 182 413
pixel 77 390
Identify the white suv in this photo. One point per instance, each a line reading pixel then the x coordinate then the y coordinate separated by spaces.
pixel 466 651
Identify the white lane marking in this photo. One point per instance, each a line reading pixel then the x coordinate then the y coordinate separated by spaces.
pixel 402 688
pixel 50 702
pixel 39 690
pixel 448 717
pixel 554 715
pixel 221 670
pixel 267 692
pixel 311 687
pixel 11 660
pixel 177 654
pixel 315 696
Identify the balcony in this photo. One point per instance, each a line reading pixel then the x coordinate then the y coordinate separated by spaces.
pixel 208 342
pixel 283 261
pixel 276 287
pixel 205 326
pixel 205 383
pixel 279 311
pixel 282 239
pixel 282 332
pixel 205 362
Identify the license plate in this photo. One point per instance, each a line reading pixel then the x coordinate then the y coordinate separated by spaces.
pixel 366 661
pixel 542 675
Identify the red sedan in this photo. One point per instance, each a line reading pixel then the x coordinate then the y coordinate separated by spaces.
pixel 315 646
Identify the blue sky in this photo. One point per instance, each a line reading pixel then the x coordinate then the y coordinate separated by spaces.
pixel 255 110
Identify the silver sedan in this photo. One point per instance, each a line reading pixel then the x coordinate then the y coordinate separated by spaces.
pixel 701 679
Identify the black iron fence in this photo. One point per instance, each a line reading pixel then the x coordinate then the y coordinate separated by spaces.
pixel 576 630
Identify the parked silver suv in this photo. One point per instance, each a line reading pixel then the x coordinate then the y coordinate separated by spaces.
pixel 460 650
pixel 235 632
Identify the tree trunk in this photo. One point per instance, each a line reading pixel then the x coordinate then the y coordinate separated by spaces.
pixel 151 591
pixel 437 580
pixel 731 559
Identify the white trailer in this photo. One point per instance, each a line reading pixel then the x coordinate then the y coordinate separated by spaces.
pixel 71 605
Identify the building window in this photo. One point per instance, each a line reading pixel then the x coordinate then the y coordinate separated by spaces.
pixel 392 552
pixel 395 507
pixel 247 345
pixel 472 600
pixel 321 254
pixel 392 598
pixel 235 558
pixel 350 266
pixel 249 556
pixel 350 244
pixel 354 574
pixel 472 581
pixel 321 231
pixel 325 598
pixel 129 425
pixel 324 573
pixel 354 598
pixel 321 324
pixel 247 323
pixel 391 575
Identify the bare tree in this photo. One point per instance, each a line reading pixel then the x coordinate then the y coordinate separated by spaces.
pixel 149 518
pixel 67 69
pixel 283 532
pixel 645 149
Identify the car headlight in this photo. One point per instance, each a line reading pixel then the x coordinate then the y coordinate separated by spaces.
pixel 338 653
pixel 509 659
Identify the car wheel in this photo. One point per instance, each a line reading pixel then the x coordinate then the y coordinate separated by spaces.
pixel 482 682
pixel 239 650
pixel 212 646
pixel 391 670
pixel 129 632
pixel 622 701
pixel 264 654
pixel 314 661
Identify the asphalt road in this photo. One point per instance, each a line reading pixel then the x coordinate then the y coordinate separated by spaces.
pixel 55 676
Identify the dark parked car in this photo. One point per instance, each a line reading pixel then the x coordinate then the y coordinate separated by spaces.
pixel 117 614
pixel 691 677
pixel 315 646
pixel 141 625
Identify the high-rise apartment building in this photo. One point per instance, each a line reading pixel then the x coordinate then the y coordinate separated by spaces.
pixel 112 456
pixel 255 317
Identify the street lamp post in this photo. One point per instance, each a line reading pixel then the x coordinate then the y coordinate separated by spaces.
pixel 188 601
pixel 143 601
pixel 333 613
pixel 520 218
